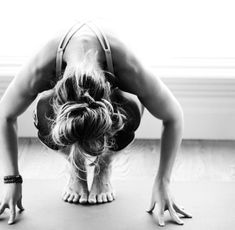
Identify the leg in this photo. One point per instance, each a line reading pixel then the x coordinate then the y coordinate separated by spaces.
pixel 44 110
pixel 76 189
pixel 43 114
pixel 101 189
pixel 134 111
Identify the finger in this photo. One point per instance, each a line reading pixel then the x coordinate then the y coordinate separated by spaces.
pixel 151 206
pixel 161 221
pixel 174 215
pixel 19 204
pixel 12 214
pixel 2 208
pixel 160 214
pixel 181 211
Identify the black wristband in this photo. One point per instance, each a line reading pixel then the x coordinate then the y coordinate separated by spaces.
pixel 13 179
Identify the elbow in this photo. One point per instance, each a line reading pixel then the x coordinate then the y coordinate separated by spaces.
pixel 7 119
pixel 7 123
pixel 176 119
pixel 179 117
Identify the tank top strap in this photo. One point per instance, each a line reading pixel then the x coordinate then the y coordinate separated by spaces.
pixel 101 37
pixel 62 45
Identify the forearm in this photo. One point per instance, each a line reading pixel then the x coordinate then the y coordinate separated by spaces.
pixel 9 147
pixel 170 142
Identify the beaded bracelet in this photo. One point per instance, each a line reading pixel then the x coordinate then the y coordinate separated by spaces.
pixel 13 179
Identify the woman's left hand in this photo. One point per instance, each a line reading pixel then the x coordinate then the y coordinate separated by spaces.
pixel 162 199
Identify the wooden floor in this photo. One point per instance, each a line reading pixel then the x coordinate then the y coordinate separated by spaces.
pixel 203 181
pixel 196 161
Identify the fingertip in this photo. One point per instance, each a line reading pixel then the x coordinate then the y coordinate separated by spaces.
pixel 21 209
pixel 181 211
pixel 151 208
pixel 161 223
pixel 1 211
pixel 20 206
pixel 2 208
pixel 11 221
pixel 189 215
pixel 149 211
pixel 180 222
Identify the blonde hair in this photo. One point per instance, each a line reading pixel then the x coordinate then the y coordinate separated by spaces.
pixel 84 113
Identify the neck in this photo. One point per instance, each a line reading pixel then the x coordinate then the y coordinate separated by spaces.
pixel 86 60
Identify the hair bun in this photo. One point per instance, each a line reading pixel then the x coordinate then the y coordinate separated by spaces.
pixel 86 98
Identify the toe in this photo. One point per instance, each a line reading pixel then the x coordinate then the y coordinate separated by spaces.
pixel 100 198
pixel 70 198
pixel 92 198
pixel 104 198
pixel 76 198
pixel 83 199
pixel 109 197
pixel 113 195
pixel 66 196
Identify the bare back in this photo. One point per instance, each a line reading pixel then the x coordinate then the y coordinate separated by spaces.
pixel 39 74
pixel 42 68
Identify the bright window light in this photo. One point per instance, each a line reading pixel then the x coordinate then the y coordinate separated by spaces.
pixel 154 29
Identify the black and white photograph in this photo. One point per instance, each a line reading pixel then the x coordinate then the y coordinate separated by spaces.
pixel 117 115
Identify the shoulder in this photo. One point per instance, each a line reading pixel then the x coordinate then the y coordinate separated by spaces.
pixel 131 71
pixel 45 58
pixel 39 71
pixel 33 77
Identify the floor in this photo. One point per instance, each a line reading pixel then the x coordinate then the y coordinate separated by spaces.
pixel 196 161
pixel 203 180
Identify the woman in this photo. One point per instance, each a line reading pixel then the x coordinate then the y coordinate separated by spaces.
pixel 92 92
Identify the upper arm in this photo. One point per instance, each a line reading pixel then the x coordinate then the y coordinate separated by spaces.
pixel 15 100
pixel 33 78
pixel 157 98
pixel 152 92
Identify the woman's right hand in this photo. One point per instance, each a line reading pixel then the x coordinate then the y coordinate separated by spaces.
pixel 12 197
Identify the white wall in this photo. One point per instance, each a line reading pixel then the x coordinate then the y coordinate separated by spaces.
pixel 154 28
pixel 189 44
pixel 205 87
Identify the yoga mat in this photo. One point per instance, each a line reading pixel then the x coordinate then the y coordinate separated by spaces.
pixel 211 203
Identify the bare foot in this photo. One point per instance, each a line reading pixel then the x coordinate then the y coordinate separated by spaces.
pixel 101 189
pixel 76 191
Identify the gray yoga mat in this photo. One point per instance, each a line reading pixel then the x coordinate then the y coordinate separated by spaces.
pixel 211 203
